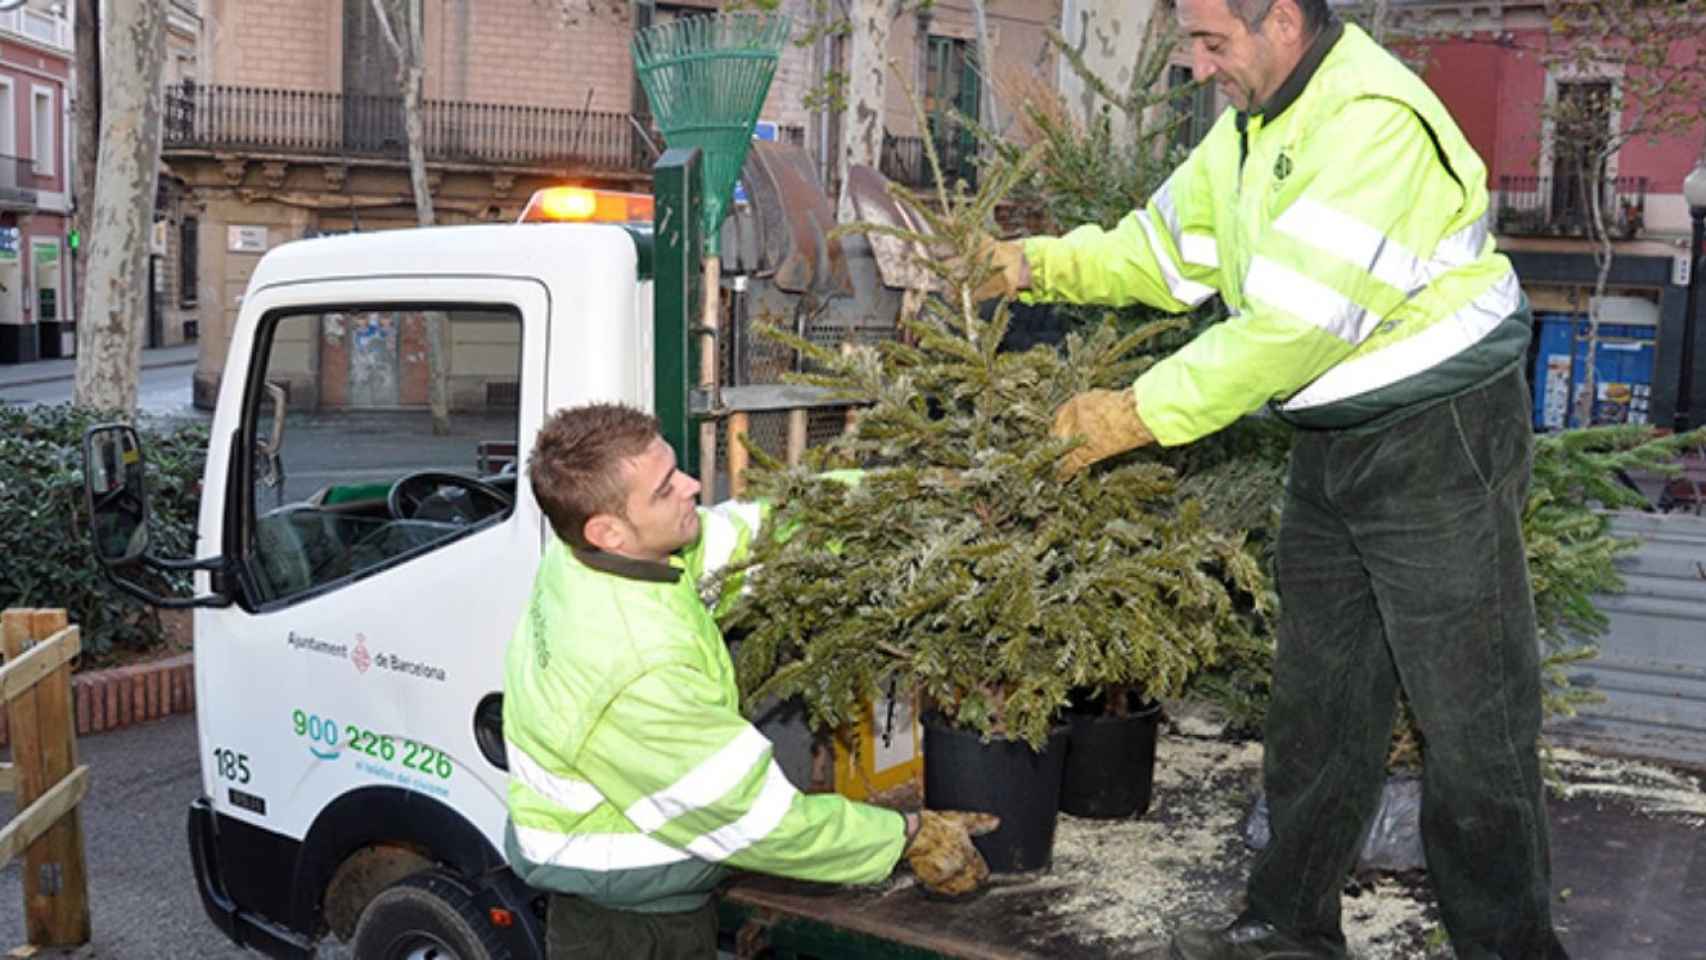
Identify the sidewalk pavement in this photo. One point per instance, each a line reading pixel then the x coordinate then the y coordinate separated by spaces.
pixel 48 371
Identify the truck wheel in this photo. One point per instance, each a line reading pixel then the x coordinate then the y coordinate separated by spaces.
pixel 427 916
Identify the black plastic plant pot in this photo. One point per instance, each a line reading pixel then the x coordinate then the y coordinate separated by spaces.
pixel 1110 765
pixel 1003 777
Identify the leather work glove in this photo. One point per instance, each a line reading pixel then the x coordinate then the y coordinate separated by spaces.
pixel 1108 418
pixel 1006 258
pixel 941 852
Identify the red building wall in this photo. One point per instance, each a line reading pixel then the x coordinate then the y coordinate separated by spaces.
pixel 1495 88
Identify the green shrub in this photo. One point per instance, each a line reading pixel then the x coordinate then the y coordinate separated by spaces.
pixel 45 557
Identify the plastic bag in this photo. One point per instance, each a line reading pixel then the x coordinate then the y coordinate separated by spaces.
pixel 1393 842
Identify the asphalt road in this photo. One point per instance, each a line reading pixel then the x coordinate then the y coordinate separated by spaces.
pixel 142 895
pixel 160 391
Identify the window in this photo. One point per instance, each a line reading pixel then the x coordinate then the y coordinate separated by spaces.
pixel 1193 111
pixel 42 131
pixel 347 476
pixel 8 125
pixel 1581 128
pixel 189 260
pixel 952 85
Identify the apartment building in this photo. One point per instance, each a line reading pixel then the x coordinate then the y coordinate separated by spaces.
pixel 35 176
pixel 1497 67
pixel 284 121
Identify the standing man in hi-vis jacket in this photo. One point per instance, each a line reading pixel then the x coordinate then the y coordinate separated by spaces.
pixel 1341 216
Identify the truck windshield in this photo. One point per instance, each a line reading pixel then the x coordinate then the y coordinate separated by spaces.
pixel 353 471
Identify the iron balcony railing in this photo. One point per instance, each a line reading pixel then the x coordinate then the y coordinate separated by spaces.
pixel 17 183
pixel 1536 206
pixel 320 123
pixel 904 160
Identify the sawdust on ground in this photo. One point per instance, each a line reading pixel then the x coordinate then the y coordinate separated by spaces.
pixel 1127 884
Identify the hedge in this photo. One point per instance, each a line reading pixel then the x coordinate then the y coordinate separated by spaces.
pixel 45 556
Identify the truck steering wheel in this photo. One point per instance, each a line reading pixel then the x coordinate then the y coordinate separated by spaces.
pixel 444 497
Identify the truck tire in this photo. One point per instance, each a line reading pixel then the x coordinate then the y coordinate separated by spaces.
pixel 427 916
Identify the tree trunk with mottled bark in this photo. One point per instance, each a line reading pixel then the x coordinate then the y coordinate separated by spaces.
pixel 986 75
pixel 867 71
pixel 87 122
pixel 109 333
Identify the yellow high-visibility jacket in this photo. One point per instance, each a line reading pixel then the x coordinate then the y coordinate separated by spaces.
pixel 634 780
pixel 1344 225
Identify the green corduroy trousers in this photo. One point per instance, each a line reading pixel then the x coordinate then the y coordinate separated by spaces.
pixel 1401 563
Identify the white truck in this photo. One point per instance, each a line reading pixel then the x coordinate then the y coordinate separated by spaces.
pixel 360 574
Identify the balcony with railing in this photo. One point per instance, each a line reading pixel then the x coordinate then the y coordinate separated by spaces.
pixel 40 26
pixel 17 183
pixel 315 123
pixel 1536 206
pixel 904 160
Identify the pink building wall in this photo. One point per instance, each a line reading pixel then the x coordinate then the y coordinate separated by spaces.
pixel 1495 89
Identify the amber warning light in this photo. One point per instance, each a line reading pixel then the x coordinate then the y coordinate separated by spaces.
pixel 583 205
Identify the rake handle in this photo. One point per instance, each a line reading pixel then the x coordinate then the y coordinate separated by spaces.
pixel 709 315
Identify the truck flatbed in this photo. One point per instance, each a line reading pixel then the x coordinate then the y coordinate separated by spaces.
pixel 1628 851
pixel 802 920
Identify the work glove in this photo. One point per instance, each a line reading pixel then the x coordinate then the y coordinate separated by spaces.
pixel 1107 419
pixel 941 852
pixel 1006 258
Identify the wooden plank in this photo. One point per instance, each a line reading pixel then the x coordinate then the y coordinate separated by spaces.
pixel 38 661
pixel 56 905
pixel 56 885
pixel 42 815
pixel 739 456
pixel 21 711
pixel 797 422
pixel 903 922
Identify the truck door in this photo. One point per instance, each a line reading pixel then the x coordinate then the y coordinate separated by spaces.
pixel 383 557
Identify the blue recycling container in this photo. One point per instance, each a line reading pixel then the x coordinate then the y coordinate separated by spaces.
pixel 1623 371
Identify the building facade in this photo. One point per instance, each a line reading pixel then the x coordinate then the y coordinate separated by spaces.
pixel 1500 70
pixel 36 273
pixel 284 121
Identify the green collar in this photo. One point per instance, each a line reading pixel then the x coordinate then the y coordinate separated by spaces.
pixel 1301 74
pixel 626 567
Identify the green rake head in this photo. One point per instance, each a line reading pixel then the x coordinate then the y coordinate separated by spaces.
pixel 706 78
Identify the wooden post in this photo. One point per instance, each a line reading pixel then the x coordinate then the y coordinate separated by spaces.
pixel 738 456
pixel 797 420
pixel 44 752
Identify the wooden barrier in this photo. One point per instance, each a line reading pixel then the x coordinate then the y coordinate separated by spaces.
pixel 35 687
pixel 739 403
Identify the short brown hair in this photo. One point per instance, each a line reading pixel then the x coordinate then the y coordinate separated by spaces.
pixel 576 466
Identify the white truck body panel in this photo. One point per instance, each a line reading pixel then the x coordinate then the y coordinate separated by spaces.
pixel 405 652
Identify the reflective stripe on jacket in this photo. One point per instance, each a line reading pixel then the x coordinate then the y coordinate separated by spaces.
pixel 1346 230
pixel 634 779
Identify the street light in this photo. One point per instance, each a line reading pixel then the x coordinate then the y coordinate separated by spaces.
pixel 1694 191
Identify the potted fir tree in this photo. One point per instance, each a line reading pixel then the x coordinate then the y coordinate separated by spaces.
pixel 960 567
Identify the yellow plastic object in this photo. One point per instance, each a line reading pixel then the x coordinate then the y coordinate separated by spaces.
pixel 888 753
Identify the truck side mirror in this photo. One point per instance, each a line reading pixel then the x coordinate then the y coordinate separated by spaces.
pixel 117 493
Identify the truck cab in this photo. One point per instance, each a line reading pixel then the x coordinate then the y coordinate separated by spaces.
pixel 368 566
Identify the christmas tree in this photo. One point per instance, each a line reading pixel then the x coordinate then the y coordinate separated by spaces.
pixel 957 563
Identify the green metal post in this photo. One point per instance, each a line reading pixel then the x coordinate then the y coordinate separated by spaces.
pixel 676 286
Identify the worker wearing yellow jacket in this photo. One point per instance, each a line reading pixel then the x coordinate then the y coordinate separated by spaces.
pixel 1341 216
pixel 635 783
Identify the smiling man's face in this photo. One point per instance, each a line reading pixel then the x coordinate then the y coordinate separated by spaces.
pixel 1246 65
